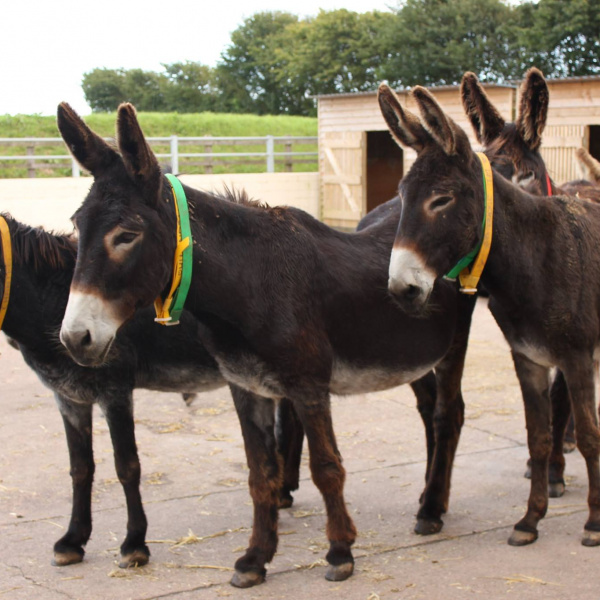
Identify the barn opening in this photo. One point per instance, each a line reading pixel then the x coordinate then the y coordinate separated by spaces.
pixel 385 162
pixel 594 138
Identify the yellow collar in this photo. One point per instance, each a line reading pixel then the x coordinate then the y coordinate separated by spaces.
pixel 7 253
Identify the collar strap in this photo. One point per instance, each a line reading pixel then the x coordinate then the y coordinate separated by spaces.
pixel 548 185
pixel 469 277
pixel 168 311
pixel 7 254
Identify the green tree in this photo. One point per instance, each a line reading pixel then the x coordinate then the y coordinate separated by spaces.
pixel 436 41
pixel 104 89
pixel 337 51
pixel 248 74
pixel 562 37
pixel 192 87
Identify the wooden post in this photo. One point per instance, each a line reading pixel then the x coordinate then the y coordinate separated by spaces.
pixel 30 161
pixel 289 161
pixel 208 166
pixel 270 155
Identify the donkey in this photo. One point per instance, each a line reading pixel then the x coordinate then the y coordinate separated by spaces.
pixel 514 151
pixel 542 273
pixel 143 357
pixel 157 358
pixel 288 307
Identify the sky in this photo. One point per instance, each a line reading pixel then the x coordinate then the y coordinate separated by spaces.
pixel 46 47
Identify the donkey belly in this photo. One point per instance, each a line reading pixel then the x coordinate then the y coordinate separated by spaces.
pixel 348 378
pixel 173 378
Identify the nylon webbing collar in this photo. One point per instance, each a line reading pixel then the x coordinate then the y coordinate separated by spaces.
pixel 469 277
pixel 548 185
pixel 168 311
pixel 7 254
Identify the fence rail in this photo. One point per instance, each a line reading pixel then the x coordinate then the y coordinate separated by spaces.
pixel 183 154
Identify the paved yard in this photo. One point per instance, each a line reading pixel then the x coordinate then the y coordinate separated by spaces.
pixel 198 507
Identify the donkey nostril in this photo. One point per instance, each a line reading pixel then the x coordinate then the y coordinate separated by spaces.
pixel 412 292
pixel 86 340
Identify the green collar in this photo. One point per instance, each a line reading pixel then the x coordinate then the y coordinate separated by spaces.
pixel 168 311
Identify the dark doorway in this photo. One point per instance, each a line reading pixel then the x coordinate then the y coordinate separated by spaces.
pixel 385 163
pixel 595 141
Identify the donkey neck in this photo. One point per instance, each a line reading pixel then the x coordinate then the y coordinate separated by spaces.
pixel 538 242
pixel 42 271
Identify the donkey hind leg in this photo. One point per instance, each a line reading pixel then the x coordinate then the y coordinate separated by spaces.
pixel 561 414
pixel 119 416
pixel 533 379
pixel 580 379
pixel 257 419
pixel 329 475
pixel 448 419
pixel 290 436
pixel 77 419
pixel 425 392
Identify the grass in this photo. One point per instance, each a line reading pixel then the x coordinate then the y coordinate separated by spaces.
pixel 161 125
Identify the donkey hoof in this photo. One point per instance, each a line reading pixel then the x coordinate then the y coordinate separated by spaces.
pixel 568 447
pixel 522 538
pixel 137 558
pixel 70 557
pixel 428 526
pixel 590 538
pixel 339 572
pixel 247 579
pixel 556 490
pixel 285 499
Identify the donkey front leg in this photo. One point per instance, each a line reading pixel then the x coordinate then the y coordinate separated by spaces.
pixel 448 419
pixel 77 419
pixel 580 379
pixel 534 387
pixel 119 416
pixel 257 418
pixel 329 475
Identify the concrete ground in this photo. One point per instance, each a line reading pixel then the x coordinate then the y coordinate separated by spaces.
pixel 196 498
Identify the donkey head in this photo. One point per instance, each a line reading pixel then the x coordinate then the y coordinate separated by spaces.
pixel 442 193
pixel 117 269
pixel 513 148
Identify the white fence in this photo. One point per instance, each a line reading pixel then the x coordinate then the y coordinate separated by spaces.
pixel 268 152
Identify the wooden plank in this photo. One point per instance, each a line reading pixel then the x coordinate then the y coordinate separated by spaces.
pixel 347 178
pixel 338 171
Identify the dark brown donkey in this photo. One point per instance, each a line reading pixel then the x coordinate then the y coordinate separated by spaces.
pixel 514 151
pixel 543 276
pixel 288 307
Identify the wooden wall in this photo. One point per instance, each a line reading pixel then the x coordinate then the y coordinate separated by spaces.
pixel 343 123
pixel 51 201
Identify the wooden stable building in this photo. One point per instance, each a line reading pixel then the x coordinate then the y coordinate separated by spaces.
pixel 360 165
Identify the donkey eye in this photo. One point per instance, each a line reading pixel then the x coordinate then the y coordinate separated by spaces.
pixel 439 203
pixel 125 237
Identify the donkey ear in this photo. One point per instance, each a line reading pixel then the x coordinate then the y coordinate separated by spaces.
pixel 533 108
pixel 88 148
pixel 405 127
pixel 485 119
pixel 140 162
pixel 439 125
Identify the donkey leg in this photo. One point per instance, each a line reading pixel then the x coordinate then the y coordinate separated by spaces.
pixel 77 419
pixel 290 436
pixel 329 475
pixel 425 392
pixel 561 414
pixel 581 385
pixel 257 418
pixel 534 387
pixel 448 419
pixel 119 416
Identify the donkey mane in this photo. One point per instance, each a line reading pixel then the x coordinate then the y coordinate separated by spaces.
pixel 239 196
pixel 43 248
